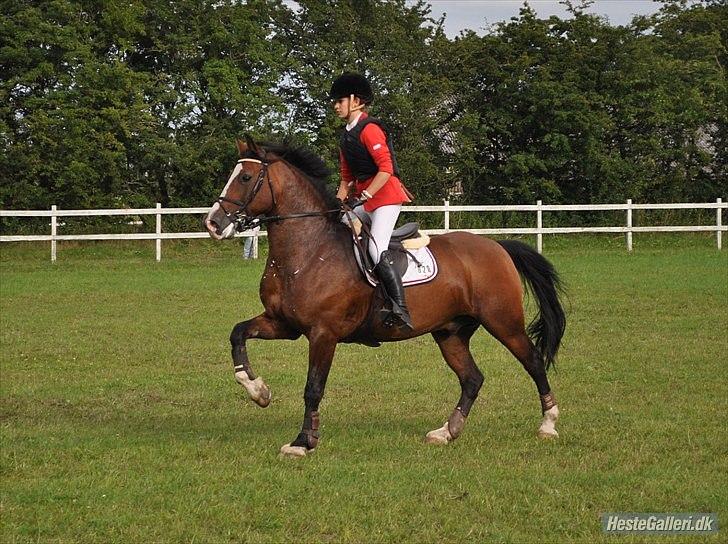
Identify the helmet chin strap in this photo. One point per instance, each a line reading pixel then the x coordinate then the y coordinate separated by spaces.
pixel 350 109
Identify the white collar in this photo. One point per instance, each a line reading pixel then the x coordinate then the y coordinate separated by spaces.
pixel 351 125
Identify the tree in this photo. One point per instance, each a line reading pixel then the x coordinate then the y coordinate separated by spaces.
pixel 579 111
pixel 391 42
pixel 66 113
pixel 687 49
pixel 120 104
pixel 129 103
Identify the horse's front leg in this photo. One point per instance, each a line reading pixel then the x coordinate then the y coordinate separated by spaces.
pixel 266 328
pixel 320 355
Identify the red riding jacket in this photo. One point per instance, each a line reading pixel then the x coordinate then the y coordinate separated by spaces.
pixel 375 141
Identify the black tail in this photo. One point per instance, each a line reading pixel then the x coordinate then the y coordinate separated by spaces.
pixel 547 328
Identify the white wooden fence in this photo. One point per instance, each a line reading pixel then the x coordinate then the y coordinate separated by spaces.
pixel 539 230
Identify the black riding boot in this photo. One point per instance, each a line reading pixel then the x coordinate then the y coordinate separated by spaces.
pixel 392 283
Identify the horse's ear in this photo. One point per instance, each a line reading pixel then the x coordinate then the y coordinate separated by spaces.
pixel 241 146
pixel 252 146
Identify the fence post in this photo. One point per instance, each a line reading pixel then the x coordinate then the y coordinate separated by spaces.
pixel 539 226
pixel 719 224
pixel 54 231
pixel 629 224
pixel 159 231
pixel 447 214
pixel 255 244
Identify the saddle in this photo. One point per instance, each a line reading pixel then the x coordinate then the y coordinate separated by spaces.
pixel 413 261
pixel 403 242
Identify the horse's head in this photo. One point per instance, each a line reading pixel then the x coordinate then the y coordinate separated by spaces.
pixel 247 194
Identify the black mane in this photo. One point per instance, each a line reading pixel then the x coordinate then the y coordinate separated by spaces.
pixel 313 166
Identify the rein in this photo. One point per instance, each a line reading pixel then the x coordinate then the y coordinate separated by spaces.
pixel 242 221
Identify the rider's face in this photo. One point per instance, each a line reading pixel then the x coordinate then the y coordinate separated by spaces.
pixel 341 107
pixel 345 106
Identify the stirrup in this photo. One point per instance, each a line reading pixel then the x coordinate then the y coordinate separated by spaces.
pixel 396 316
pixel 389 320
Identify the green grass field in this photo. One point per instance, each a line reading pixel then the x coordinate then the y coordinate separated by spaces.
pixel 120 420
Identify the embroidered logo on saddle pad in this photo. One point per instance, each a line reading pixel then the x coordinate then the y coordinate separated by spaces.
pixel 413 259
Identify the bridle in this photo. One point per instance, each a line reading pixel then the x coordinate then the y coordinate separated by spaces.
pixel 242 220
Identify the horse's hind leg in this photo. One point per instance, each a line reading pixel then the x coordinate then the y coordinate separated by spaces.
pixel 454 343
pixel 521 346
pixel 262 327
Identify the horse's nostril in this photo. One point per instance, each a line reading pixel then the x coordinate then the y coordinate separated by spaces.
pixel 213 228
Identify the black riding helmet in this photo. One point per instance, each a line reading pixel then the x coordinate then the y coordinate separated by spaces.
pixel 350 83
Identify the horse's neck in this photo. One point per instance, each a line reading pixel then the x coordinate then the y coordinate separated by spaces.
pixel 297 240
pixel 291 239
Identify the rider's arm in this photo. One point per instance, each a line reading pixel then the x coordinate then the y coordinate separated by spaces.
pixel 375 141
pixel 378 182
pixel 347 179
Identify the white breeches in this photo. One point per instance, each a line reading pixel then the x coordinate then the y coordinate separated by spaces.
pixel 383 220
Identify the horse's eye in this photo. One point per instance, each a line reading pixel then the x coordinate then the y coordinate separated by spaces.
pixel 245 177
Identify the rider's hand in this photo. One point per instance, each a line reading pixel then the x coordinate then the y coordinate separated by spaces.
pixel 354 202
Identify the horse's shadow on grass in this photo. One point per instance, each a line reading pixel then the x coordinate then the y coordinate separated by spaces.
pixel 160 418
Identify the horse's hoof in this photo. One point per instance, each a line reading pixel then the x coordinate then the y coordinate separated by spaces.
pixel 257 389
pixel 439 436
pixel 262 398
pixel 294 452
pixel 547 430
pixel 547 434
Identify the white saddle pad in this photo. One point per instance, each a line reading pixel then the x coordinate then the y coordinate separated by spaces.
pixel 421 270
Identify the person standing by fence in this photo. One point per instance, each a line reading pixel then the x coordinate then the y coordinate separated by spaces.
pixel 250 243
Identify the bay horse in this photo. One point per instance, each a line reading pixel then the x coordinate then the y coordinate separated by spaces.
pixel 312 287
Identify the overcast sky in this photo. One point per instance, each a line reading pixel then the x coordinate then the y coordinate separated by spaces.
pixel 478 14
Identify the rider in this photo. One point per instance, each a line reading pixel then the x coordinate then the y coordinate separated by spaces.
pixel 369 169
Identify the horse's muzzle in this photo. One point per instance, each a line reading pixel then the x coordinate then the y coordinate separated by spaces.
pixel 218 225
pixel 213 229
